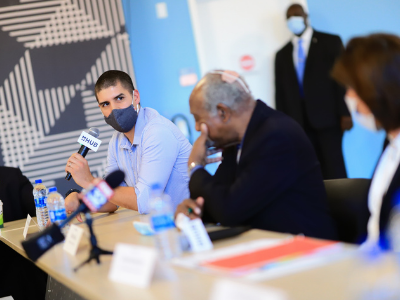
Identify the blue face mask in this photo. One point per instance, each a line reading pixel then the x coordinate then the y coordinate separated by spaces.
pixel 123 119
pixel 296 24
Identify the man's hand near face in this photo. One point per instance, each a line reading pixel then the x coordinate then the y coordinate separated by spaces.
pixel 78 166
pixel 199 150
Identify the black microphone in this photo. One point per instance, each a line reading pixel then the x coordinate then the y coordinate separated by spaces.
pixel 83 150
pixel 41 242
pixel 114 179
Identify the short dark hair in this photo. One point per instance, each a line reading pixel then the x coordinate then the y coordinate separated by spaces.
pixel 371 66
pixel 111 78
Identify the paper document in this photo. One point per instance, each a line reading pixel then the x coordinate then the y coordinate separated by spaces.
pixel 265 258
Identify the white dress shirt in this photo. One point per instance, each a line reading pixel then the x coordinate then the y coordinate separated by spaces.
pixel 387 166
pixel 306 38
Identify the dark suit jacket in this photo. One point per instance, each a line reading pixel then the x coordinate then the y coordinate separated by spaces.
pixel 323 97
pixel 16 194
pixel 277 184
pixel 24 280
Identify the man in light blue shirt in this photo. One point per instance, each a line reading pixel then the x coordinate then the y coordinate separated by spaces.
pixel 146 146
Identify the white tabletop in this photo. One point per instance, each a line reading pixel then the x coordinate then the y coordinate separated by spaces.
pixel 330 281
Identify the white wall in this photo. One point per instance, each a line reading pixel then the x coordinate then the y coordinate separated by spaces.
pixel 225 30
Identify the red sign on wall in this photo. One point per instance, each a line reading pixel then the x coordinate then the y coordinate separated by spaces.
pixel 247 62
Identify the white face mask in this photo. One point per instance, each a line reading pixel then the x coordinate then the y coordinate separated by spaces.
pixel 296 24
pixel 367 121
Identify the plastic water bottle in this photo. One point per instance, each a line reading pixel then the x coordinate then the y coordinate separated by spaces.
pixel 162 220
pixel 40 196
pixel 55 203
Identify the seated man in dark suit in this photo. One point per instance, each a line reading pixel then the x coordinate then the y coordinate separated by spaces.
pixel 269 178
pixel 22 280
pixel 16 194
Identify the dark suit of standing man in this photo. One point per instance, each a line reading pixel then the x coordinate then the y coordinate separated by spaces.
pixel 306 92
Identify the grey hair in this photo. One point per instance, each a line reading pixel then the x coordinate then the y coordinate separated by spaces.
pixel 216 91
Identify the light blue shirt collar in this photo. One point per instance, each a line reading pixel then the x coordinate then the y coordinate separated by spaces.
pixel 139 126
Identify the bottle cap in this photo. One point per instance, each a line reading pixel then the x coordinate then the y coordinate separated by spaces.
pixel 155 187
pixel 52 189
pixel 38 181
pixel 156 190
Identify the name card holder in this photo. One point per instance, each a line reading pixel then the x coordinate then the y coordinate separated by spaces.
pixel 133 265
pixel 73 239
pixel 225 289
pixel 28 221
pixel 196 233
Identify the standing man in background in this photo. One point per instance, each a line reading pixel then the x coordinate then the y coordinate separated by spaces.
pixel 305 91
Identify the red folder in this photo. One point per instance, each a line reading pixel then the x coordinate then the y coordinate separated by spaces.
pixel 286 251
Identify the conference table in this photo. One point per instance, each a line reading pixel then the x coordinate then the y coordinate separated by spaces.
pixel 334 280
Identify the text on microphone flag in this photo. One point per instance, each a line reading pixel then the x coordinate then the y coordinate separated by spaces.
pixel 89 141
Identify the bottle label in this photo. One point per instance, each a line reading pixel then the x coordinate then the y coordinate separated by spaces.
pixel 162 222
pixel 60 214
pixel 57 215
pixel 52 216
pixel 41 202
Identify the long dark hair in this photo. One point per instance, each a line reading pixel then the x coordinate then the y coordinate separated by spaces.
pixel 371 66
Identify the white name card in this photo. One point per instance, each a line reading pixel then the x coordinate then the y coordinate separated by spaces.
pixel 195 232
pixel 89 141
pixel 225 289
pixel 197 236
pixel 28 221
pixel 133 265
pixel 143 228
pixel 73 239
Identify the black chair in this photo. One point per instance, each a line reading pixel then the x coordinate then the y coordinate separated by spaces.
pixel 348 204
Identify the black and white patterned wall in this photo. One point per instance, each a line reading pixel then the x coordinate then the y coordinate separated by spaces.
pixel 51 54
